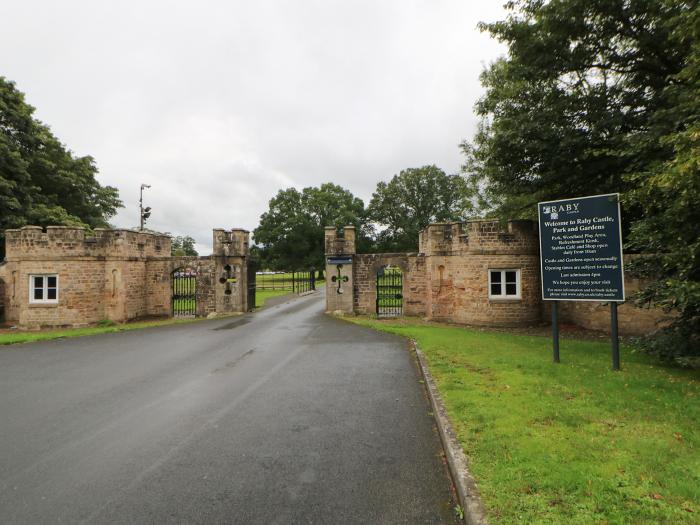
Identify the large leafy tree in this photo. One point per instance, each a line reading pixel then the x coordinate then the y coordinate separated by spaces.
pixel 42 182
pixel 599 96
pixel 668 232
pixel 291 233
pixel 413 199
pixel 183 245
pixel 579 103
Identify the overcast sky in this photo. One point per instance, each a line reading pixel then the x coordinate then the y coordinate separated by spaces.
pixel 218 105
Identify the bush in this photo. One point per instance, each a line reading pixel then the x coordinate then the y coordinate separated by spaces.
pixel 677 344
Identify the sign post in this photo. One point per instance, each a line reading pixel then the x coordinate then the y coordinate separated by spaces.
pixel 581 257
pixel 555 333
pixel 615 338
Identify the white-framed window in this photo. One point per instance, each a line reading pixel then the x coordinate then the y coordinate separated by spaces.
pixel 504 284
pixel 43 289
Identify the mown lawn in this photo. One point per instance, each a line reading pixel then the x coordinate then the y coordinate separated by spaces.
pixel 567 443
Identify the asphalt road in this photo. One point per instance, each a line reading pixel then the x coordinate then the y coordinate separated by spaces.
pixel 282 416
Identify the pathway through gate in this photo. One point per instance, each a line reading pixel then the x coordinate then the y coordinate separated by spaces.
pixel 278 283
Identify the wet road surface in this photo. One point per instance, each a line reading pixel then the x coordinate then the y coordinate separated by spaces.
pixel 282 416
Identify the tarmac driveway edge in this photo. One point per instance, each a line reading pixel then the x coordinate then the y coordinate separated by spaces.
pixel 457 461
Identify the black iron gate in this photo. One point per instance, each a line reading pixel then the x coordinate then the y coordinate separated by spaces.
pixel 389 292
pixel 184 296
pixel 295 282
pixel 304 281
pixel 252 284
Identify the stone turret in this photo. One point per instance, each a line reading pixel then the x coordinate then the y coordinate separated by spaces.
pixel 340 252
pixel 231 243
pixel 340 242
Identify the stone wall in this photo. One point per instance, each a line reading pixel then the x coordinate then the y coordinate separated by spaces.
pixel 459 257
pixel 632 320
pixel 459 290
pixel 365 268
pixel 115 274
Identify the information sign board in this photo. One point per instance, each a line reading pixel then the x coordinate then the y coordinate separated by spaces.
pixel 339 260
pixel 581 249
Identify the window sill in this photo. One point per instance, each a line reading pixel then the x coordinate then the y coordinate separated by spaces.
pixel 43 305
pixel 505 300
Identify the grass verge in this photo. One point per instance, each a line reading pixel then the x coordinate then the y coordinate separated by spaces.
pixel 15 337
pixel 567 443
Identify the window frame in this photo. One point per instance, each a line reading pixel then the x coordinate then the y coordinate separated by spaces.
pixel 503 296
pixel 45 288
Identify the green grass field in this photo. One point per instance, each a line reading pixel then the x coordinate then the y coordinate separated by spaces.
pixel 573 443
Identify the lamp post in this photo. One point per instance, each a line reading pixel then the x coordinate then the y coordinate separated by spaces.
pixel 144 213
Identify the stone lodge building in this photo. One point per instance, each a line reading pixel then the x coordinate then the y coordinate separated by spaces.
pixel 63 276
pixel 477 273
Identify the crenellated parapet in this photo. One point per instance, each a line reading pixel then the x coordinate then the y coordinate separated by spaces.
pixel 340 242
pixel 480 237
pixel 56 242
pixel 231 243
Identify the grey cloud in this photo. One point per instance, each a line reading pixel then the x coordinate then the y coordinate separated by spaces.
pixel 220 104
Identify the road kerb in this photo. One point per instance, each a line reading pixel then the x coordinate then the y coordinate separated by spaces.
pixel 467 490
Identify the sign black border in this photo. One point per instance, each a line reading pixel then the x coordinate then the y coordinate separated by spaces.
pixel 622 262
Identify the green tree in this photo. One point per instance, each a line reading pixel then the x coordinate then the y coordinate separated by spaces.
pixel 413 199
pixel 183 246
pixel 598 96
pixel 668 232
pixel 41 182
pixel 579 103
pixel 291 233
